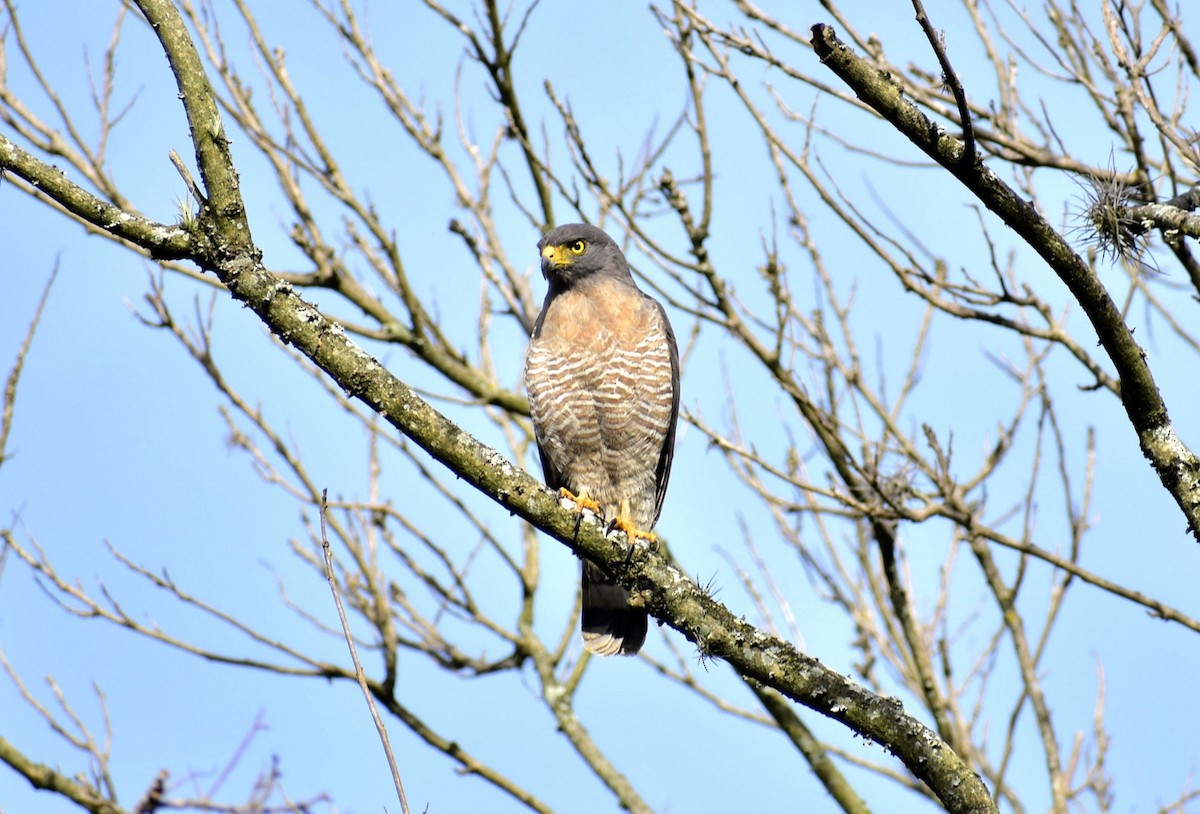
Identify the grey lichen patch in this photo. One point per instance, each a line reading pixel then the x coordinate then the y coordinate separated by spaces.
pixel 354 349
pixel 121 219
pixel 167 234
pixel 1161 440
pixel 308 315
pixel 494 460
pixel 840 705
pixel 1178 468
pixel 759 640
pixel 1167 452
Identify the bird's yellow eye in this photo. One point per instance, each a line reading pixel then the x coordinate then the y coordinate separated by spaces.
pixel 577 247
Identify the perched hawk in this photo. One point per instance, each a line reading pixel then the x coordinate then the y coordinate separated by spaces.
pixel 603 378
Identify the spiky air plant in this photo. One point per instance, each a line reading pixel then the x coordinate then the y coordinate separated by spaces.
pixel 1107 222
pixel 187 217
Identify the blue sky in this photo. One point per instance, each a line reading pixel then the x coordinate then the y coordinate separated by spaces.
pixel 118 440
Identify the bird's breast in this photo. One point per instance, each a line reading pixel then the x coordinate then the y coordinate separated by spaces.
pixel 606 312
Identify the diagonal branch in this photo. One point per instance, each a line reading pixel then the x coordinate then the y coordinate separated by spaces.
pixel 213 156
pixel 1177 465
pixel 937 41
pixel 45 777
pixel 48 182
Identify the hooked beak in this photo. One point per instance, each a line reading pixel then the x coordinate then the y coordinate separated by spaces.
pixel 555 258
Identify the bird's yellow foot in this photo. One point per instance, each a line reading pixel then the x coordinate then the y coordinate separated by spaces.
pixel 625 523
pixel 581 502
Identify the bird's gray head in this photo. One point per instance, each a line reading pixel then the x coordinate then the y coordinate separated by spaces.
pixel 579 253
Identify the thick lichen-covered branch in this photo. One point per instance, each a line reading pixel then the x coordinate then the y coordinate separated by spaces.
pixel 159 240
pixel 1177 466
pixel 213 157
pixel 49 779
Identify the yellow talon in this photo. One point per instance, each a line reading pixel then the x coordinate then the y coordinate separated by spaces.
pixel 581 501
pixel 632 532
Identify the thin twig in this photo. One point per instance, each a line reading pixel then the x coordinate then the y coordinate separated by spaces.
pixel 14 375
pixel 937 42
pixel 187 178
pixel 358 670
